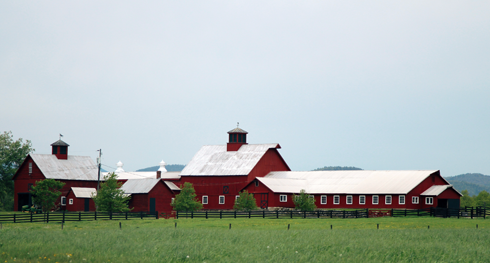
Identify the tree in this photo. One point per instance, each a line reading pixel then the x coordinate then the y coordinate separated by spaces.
pixel 466 199
pixel 109 197
pixel 245 202
pixel 482 199
pixel 304 201
pixel 46 192
pixel 12 154
pixel 186 200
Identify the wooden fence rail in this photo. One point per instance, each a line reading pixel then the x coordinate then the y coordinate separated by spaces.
pixel 466 212
pixel 73 216
pixel 362 213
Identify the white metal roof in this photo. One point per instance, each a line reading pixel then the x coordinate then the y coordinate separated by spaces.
pixel 74 168
pixel 215 160
pixel 139 186
pixel 345 182
pixel 143 175
pixel 436 190
pixel 83 192
pixel 172 186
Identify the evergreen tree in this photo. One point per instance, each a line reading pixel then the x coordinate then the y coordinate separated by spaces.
pixel 186 200
pixel 304 202
pixel 46 192
pixel 109 197
pixel 245 202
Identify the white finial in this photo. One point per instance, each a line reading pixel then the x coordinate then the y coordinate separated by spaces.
pixel 162 167
pixel 119 167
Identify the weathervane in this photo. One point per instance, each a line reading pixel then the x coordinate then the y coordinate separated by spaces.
pixel 61 135
pixel 237 124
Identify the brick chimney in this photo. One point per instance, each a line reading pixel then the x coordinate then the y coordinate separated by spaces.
pixel 159 174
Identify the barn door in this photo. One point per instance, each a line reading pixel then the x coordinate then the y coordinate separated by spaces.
pixel 152 205
pixel 264 201
pixel 87 205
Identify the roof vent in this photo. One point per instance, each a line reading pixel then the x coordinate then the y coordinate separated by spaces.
pixel 60 149
pixel 119 167
pixel 237 138
pixel 162 167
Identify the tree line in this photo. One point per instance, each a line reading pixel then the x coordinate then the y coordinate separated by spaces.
pixel 482 199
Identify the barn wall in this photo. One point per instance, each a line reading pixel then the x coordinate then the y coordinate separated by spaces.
pixel 139 203
pixel 270 161
pixel 163 198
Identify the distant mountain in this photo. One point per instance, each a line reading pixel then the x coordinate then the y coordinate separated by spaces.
pixel 473 182
pixel 337 168
pixel 169 167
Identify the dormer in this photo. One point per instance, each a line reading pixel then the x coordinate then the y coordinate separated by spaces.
pixel 60 149
pixel 237 138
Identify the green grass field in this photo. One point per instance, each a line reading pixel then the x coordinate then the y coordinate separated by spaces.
pixel 249 240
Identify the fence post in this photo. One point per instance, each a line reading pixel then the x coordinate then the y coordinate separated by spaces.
pixel 206 214
pixel 141 214
pixel 471 212
pixel 356 213
pixel 318 213
pixel 110 215
pixel 343 214
pixel 177 215
pixel 235 213
pixel 127 215
pixel 263 213
pixel 220 214
pixel 95 215
pixel 405 212
pixel 192 214
pixel 31 217
pixel 367 212
pixel 156 214
pixel 291 213
pixel 331 213
pixel 63 220
pixel 79 216
pixel 249 214
pixel 277 213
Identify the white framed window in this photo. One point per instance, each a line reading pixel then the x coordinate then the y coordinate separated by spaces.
pixel 311 196
pixel 70 201
pixel 401 199
pixel 387 199
pixel 256 183
pixel 348 200
pixel 172 200
pixel 221 199
pixel 375 199
pixel 30 168
pixel 283 198
pixel 336 199
pixel 362 199
pixel 429 200
pixel 63 200
pixel 323 199
pixel 204 199
pixel 236 197
pixel 415 199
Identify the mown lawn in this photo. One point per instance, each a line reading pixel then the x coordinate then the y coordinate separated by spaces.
pixel 250 240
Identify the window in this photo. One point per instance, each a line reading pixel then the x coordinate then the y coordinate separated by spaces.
pixel 70 201
pixel 63 200
pixel 221 199
pixel 311 196
pixel 204 199
pixel 62 149
pixel 236 197
pixel 323 199
pixel 55 149
pixel 429 200
pixel 30 168
pixel 283 198
pixel 256 183
pixel 388 199
pixel 349 200
pixel 415 199
pixel 362 199
pixel 172 201
pixel 375 200
pixel 401 199
pixel 336 199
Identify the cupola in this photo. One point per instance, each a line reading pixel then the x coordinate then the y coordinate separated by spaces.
pixel 237 138
pixel 60 149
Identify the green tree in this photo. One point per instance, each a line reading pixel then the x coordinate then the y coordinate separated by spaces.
pixel 482 199
pixel 245 202
pixel 304 202
pixel 110 198
pixel 186 200
pixel 466 199
pixel 46 192
pixel 12 154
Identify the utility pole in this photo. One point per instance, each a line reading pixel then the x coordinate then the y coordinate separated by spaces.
pixel 99 161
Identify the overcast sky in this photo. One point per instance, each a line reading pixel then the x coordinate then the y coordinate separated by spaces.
pixel 380 85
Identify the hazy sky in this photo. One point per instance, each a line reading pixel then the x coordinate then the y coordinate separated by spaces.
pixel 380 85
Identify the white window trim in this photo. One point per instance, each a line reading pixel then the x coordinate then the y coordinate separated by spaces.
pixel 70 201
pixel 321 199
pixel 336 197
pixel 172 200
pixel 347 200
pixel 30 168
pixel 63 200
pixel 377 198
pixel 386 199
pixel 205 197
pixel 400 197
pixel 236 197
pixel 415 200
pixel 283 198
pixel 431 200
pixel 221 196
pixel 362 197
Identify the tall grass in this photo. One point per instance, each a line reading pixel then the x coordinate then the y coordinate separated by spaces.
pixel 249 240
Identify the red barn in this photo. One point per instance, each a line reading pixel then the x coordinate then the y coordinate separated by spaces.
pixel 150 194
pixel 74 171
pixel 357 189
pixel 219 172
pixel 80 199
